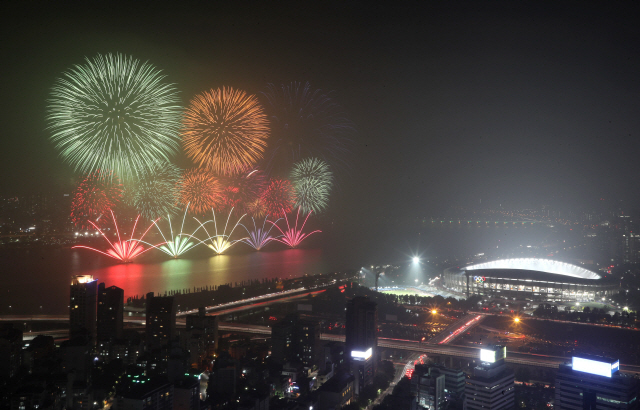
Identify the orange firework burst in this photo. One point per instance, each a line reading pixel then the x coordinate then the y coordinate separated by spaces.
pixel 225 130
pixel 200 189
pixel 256 208
pixel 279 197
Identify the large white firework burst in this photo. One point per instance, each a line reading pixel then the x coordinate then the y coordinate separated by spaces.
pixel 114 113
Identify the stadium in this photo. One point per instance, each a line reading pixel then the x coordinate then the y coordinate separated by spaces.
pixel 530 279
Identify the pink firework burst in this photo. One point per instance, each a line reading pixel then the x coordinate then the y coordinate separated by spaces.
pixel 123 251
pixel 293 236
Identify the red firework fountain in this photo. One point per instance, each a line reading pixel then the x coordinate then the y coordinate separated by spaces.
pixel 293 236
pixel 123 251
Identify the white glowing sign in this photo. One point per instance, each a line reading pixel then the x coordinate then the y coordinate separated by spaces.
pixel 490 356
pixel 487 355
pixel 362 355
pixel 599 368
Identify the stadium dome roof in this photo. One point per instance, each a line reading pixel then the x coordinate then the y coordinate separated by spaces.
pixel 539 265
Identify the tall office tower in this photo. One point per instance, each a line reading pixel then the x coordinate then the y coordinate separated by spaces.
pixel 361 340
pixel 594 382
pixel 361 325
pixel 428 386
pixel 110 312
pixel 83 299
pixel 492 385
pixel 161 320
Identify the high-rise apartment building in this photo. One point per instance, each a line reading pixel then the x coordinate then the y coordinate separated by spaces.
pixel 83 299
pixel 282 337
pixel 160 320
pixel 296 340
pixel 308 334
pixel 201 336
pixel 110 312
pixel 594 383
pixel 10 351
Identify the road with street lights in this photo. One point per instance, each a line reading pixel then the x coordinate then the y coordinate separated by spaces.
pixel 456 329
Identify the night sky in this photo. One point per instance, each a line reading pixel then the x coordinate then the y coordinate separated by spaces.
pixel 521 105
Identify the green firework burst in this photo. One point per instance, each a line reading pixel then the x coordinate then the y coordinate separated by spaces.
pixel 312 180
pixel 114 113
pixel 156 193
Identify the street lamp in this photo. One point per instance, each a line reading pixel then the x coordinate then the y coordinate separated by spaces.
pixel 416 259
pixel 517 320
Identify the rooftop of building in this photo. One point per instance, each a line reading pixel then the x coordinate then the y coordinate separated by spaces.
pixel 187 382
pixel 337 383
pixel 139 387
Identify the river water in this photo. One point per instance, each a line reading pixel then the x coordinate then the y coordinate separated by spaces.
pixel 36 280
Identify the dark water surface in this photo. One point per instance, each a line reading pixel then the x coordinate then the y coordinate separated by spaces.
pixel 36 280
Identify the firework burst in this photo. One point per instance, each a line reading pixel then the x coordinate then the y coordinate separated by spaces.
pixel 256 208
pixel 225 130
pixel 304 122
pixel 156 193
pixel 116 113
pixel 242 189
pixel 123 251
pixel 312 181
pixel 279 196
pixel 220 242
pixel 293 236
pixel 97 193
pixel 200 189
pixel 259 237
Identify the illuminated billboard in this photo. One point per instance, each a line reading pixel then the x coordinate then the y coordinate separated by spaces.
pixel 357 355
pixel 493 355
pixel 597 367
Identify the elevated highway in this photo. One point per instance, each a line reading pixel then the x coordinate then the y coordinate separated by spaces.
pixel 472 352
pixel 469 352
pixel 483 222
